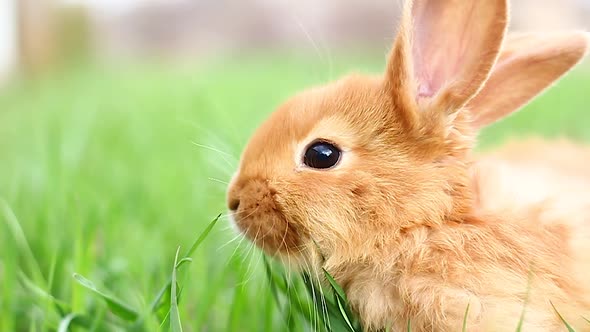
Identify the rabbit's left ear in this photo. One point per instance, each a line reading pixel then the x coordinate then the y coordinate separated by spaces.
pixel 527 65
pixel 444 52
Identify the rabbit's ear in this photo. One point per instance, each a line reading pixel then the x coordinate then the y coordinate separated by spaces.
pixel 444 52
pixel 528 64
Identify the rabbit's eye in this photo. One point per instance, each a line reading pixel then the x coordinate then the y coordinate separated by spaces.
pixel 322 155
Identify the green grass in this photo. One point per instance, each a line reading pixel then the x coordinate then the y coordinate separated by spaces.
pixel 107 171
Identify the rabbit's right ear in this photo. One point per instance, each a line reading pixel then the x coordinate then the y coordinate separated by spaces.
pixel 528 65
pixel 443 53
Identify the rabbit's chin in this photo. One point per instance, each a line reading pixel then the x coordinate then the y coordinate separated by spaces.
pixel 287 247
pixel 269 230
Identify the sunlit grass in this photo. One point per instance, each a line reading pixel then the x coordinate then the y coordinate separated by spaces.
pixel 105 172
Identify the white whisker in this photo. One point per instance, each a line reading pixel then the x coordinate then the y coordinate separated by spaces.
pixel 223 155
pixel 323 53
pixel 219 181
pixel 231 241
pixel 213 149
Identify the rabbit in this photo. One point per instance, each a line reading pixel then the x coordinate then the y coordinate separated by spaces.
pixel 374 179
pixel 522 174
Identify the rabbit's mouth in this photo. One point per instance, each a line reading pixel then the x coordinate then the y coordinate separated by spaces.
pixel 269 231
pixel 258 216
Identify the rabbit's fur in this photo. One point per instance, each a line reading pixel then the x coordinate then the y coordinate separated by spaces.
pixel 409 222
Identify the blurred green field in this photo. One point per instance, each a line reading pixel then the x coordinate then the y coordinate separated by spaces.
pixel 109 170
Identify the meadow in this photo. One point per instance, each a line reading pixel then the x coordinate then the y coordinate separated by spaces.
pixel 106 170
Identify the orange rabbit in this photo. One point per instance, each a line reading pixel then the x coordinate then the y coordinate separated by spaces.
pixel 373 179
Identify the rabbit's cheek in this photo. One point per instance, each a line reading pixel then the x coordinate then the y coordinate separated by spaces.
pixel 260 218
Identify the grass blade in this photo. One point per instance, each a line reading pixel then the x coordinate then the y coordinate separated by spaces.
pixel 274 281
pixel 341 300
pixel 65 323
pixel 116 306
pixel 318 300
pixel 21 242
pixel 568 326
pixel 526 300
pixel 60 306
pixel 182 261
pixel 155 304
pixel 329 311
pixel 295 302
pixel 273 285
pixel 202 237
pixel 175 323
pixel 344 315
pixel 165 322
pixel 465 318
pixel 337 289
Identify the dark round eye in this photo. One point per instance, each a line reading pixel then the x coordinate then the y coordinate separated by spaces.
pixel 321 155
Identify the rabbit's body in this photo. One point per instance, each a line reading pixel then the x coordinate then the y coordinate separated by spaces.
pixel 534 175
pixel 525 249
pixel 373 179
pixel 434 274
pixel 559 156
pixel 545 187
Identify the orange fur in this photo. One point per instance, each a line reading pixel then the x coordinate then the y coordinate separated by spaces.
pixel 410 223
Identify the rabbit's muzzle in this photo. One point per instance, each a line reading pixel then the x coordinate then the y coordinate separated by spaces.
pixel 258 215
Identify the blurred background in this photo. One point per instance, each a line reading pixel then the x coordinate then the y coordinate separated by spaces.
pixel 121 122
pixel 40 33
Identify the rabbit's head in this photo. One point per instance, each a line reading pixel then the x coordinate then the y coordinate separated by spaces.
pixel 338 172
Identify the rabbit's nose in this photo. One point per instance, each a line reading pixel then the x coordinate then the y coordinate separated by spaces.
pixel 233 203
pixel 233 195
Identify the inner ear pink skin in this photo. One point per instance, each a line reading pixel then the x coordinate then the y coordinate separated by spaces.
pixel 425 90
pixel 441 39
pixel 454 44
